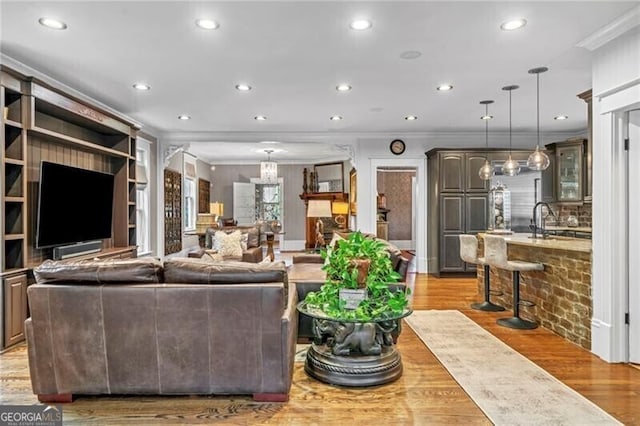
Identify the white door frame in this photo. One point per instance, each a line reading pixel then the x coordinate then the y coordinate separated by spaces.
pixel 421 201
pixel 633 252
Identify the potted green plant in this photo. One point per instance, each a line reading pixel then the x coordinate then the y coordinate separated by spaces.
pixel 358 262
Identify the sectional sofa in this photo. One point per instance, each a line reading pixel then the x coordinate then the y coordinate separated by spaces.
pixel 140 326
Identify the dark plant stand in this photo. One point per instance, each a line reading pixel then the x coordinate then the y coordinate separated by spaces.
pixel 353 353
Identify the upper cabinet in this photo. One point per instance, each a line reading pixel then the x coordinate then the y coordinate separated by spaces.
pixel 459 172
pixel 565 180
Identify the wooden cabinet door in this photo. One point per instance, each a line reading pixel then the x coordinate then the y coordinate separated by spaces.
pixel 476 209
pixel 451 225
pixel 15 309
pixel 452 172
pixel 474 161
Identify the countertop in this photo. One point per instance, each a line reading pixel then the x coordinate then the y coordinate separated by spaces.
pixel 568 228
pixel 554 242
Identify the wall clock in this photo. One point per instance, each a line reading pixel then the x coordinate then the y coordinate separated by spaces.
pixel 397 146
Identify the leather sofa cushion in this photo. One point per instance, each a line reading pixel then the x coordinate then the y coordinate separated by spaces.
pixel 196 271
pixel 138 270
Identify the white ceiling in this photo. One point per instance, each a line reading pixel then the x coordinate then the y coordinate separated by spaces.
pixel 295 53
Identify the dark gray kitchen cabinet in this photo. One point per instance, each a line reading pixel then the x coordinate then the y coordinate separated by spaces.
pixel 458 202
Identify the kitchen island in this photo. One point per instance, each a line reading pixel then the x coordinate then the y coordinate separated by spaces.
pixel 561 293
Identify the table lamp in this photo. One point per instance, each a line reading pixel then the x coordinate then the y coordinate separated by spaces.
pixel 217 210
pixel 341 210
pixel 319 209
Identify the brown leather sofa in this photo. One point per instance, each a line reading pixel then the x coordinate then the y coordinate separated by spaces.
pixel 138 326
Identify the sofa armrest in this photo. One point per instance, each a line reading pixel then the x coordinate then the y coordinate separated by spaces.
pixel 252 255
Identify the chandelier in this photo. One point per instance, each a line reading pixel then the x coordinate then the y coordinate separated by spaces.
pixel 268 169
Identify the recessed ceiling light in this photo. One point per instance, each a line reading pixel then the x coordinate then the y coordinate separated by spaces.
pixel 444 87
pixel 207 24
pixel 270 142
pixel 343 87
pixel 54 24
pixel 335 118
pixel 260 118
pixel 360 24
pixel 411 117
pixel 561 117
pixel 184 117
pixel 486 117
pixel 513 24
pixel 141 86
pixel 410 54
pixel 243 87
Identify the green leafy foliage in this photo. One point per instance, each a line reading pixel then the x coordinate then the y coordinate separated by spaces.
pixel 381 301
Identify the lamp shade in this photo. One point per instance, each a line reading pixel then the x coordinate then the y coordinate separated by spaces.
pixel 216 208
pixel 340 207
pixel 319 208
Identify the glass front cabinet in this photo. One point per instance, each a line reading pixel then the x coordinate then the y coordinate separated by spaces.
pixel 566 181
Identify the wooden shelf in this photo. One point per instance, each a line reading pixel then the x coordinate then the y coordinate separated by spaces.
pixel 14 161
pixel 87 145
pixel 13 271
pixel 10 237
pixel 14 199
pixel 13 123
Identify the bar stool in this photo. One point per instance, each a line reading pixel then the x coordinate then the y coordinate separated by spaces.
pixel 469 253
pixel 495 254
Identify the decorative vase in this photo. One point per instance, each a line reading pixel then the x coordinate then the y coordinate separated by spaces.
pixel 362 266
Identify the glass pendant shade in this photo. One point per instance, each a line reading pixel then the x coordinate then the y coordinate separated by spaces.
pixel 486 171
pixel 538 160
pixel 510 167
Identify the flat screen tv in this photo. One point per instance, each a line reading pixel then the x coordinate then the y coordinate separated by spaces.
pixel 74 205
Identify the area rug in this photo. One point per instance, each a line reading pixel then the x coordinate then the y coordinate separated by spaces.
pixel 508 388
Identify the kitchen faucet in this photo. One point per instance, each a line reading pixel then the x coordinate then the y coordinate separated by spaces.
pixel 535 221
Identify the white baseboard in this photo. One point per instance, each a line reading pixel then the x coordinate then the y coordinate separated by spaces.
pixel 293 245
pixel 602 341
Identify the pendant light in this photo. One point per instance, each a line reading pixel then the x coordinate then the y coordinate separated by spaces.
pixel 486 171
pixel 538 160
pixel 511 166
pixel 268 169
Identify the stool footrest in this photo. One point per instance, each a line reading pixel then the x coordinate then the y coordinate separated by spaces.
pixel 487 307
pixel 526 303
pixel 496 293
pixel 518 323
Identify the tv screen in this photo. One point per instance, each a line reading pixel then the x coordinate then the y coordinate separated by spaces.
pixel 75 205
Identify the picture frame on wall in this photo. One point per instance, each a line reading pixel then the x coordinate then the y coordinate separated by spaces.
pixel 353 192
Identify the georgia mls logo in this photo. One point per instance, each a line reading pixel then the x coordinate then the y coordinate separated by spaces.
pixel 30 415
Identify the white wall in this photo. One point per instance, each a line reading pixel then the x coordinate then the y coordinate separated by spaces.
pixel 616 88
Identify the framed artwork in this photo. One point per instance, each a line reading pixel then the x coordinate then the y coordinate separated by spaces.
pixel 353 192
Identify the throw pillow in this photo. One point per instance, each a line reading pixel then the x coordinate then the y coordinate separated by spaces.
pixel 229 244
pixel 243 241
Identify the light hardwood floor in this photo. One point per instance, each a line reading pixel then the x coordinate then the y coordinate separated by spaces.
pixel 425 394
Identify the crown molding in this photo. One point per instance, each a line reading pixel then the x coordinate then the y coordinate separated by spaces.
pixel 612 30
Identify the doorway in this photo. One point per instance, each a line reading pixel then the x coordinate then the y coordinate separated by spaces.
pixel 396 220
